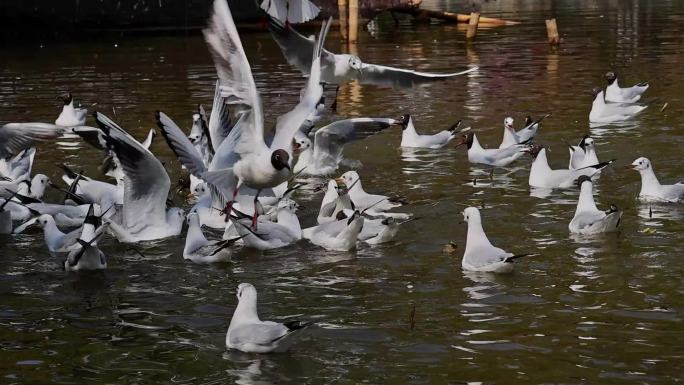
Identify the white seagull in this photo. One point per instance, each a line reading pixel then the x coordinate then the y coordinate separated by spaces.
pixel 257 165
pixel 512 137
pixel 479 254
pixel 323 156
pixel 543 176
pixel 376 205
pixel 249 334
pixel 87 256
pixel 70 115
pixel 200 250
pixel 651 189
pixel 584 154
pixel 146 189
pixel 603 112
pixel 285 231
pixel 497 157
pixel 588 218
pixel 338 235
pixel 623 95
pixel 411 138
pixel 341 68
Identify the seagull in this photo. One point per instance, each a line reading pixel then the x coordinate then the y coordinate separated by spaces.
pixel 623 95
pixel 338 235
pixel 651 189
pixel 55 240
pixel 541 174
pixel 249 334
pixel 285 231
pixel 146 188
pixel 479 254
pixel 375 204
pixel 200 250
pixel 87 256
pixel 500 157
pixel 584 154
pixel 527 133
pixel 257 165
pixel 94 191
pixel 70 115
pixel 410 138
pixel 325 154
pixel 588 219
pixel 602 112
pixel 19 167
pixel 290 11
pixel 342 68
pixel 33 189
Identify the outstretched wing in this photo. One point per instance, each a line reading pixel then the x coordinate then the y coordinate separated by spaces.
pixel 237 85
pixel 15 137
pixel 180 145
pixel 380 75
pixel 146 183
pixel 329 140
pixel 219 120
pixel 296 47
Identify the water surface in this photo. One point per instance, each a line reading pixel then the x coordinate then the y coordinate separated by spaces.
pixel 606 309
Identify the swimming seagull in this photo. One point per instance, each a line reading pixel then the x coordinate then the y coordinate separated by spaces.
pixel 375 204
pixel 584 154
pixel 290 11
pixel 87 256
pixel 285 231
pixel 255 164
pixel 323 156
pixel 411 138
pixel 512 137
pixel 338 235
pixel 543 176
pixel 146 188
pixel 498 157
pixel 249 334
pixel 651 189
pixel 341 68
pixel 603 112
pixel 70 115
pixel 55 240
pixel 588 218
pixel 479 253
pixel 623 95
pixel 200 250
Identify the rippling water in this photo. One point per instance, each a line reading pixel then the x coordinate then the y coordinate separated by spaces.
pixel 606 309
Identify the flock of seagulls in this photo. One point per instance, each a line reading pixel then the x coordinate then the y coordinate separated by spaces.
pixel 243 179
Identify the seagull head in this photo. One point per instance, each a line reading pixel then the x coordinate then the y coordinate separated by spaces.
pixel 349 178
pixel 280 160
pixel 467 139
pixel 640 164
pixel 196 130
pixel 586 142
pixel 302 144
pixel 404 120
pixel 357 214
pixel 66 98
pixel 610 77
pixel 471 214
pixel 43 220
pixel 355 63
pixel 582 179
pixel 196 193
pixel 597 93
pixel 508 123
pixel 246 292
pixel 192 218
pixel 528 121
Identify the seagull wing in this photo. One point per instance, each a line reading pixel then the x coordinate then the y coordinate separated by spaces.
pixel 486 255
pixel 146 183
pixel 400 78
pixel 329 140
pixel 258 334
pixel 237 85
pixel 297 48
pixel 219 120
pixel 15 137
pixel 289 123
pixel 180 145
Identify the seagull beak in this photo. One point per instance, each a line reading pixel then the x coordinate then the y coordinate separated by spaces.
pixel 462 142
pixel 339 180
pixel 630 167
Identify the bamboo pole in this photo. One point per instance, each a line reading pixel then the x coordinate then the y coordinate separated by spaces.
pixel 353 21
pixel 472 25
pixel 457 17
pixel 342 9
pixel 552 31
